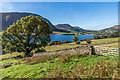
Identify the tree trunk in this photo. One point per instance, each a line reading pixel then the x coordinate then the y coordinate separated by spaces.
pixel 28 54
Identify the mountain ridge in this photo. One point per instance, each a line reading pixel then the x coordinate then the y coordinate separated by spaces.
pixel 70 28
pixel 111 29
pixel 9 17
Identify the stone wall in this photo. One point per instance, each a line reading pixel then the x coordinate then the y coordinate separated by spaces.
pixel 106 51
pixel 79 49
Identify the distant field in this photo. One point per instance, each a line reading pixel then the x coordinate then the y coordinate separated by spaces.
pixel 62 33
pixel 109 42
pixel 58 47
pixel 113 45
pixel 99 41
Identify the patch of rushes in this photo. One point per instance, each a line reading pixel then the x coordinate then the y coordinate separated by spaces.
pixel 102 69
pixel 46 57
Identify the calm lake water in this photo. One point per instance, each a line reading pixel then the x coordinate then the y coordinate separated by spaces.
pixel 69 37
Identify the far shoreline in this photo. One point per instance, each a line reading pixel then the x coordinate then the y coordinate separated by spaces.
pixel 69 34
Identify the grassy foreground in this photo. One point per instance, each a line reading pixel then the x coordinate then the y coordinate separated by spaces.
pixel 83 66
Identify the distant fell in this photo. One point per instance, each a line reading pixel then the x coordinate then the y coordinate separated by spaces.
pixel 111 29
pixel 70 28
pixel 9 17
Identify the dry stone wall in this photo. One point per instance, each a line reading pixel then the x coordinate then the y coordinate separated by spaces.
pixel 79 49
pixel 106 51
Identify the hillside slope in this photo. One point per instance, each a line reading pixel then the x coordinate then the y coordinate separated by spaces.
pixel 9 18
pixel 69 27
pixel 111 29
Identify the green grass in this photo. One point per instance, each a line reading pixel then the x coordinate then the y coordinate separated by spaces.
pixel 113 45
pixel 99 41
pixel 62 33
pixel 40 70
pixel 58 47
pixel 9 61
pixel 107 40
pixel 14 54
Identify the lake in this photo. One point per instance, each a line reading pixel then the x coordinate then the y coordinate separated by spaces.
pixel 69 37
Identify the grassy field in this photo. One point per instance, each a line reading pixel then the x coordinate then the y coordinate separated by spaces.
pixel 81 66
pixel 107 40
pixel 62 33
pixel 9 55
pixel 113 45
pixel 100 41
pixel 58 47
pixel 62 65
